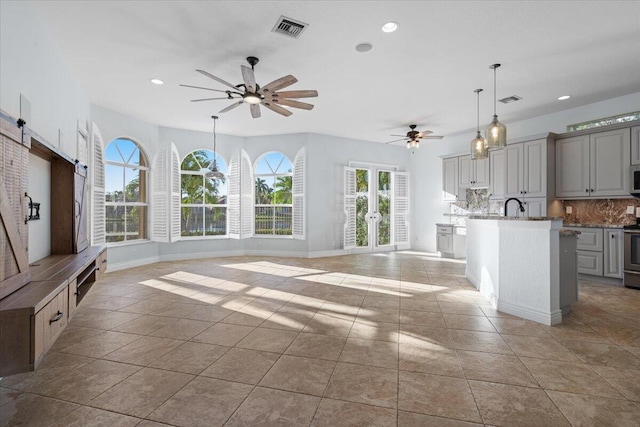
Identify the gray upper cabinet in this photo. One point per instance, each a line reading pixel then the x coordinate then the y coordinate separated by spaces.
pixel 635 145
pixel 450 179
pixel 514 158
pixel 473 173
pixel 572 167
pixel 498 174
pixel 526 169
pixel 595 165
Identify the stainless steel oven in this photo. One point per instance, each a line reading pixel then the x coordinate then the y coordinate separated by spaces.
pixel 635 181
pixel 632 256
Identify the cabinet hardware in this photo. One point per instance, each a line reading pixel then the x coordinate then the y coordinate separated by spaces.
pixel 59 315
pixel 587 190
pixel 592 190
pixel 613 236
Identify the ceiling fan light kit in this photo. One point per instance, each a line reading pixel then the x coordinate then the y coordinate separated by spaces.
pixel 479 148
pixel 413 137
pixel 496 132
pixel 255 95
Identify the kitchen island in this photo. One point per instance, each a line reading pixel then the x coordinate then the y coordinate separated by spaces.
pixel 524 266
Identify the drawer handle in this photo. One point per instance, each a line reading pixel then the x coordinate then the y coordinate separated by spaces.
pixel 57 317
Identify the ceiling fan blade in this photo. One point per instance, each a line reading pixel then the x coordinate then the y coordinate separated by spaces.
pixel 278 84
pixel 423 133
pixel 395 140
pixel 400 135
pixel 249 78
pixel 292 103
pixel 278 109
pixel 205 88
pixel 208 99
pixel 297 94
pixel 218 79
pixel 255 110
pixel 231 107
pixel 432 137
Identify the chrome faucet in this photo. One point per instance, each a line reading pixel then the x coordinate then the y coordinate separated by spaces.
pixel 521 206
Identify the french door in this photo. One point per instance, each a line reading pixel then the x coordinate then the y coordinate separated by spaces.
pixel 376 207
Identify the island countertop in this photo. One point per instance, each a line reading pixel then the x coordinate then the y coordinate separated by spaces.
pixel 517 218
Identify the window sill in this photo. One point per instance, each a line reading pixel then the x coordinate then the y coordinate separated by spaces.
pixel 128 243
pixel 190 238
pixel 269 236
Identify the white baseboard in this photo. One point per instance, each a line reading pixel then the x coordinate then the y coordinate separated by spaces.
pixel 223 254
pixel 545 318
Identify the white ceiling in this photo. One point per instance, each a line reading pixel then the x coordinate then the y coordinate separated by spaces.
pixel 423 73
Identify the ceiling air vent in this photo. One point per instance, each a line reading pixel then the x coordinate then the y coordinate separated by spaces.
pixel 289 27
pixel 508 99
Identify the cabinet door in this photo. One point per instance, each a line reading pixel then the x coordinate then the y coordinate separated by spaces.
pixel 514 159
pixel 613 258
pixel 572 167
pixel 610 161
pixel 80 212
pixel 590 263
pixel 465 171
pixel 498 174
pixel 481 168
pixel 535 168
pixel 445 243
pixel 635 145
pixel 535 207
pixel 450 179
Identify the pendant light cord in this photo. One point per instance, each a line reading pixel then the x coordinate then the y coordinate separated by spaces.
pixel 478 110
pixel 494 90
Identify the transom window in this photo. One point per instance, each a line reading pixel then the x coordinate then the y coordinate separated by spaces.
pixel 273 175
pixel 126 205
pixel 204 197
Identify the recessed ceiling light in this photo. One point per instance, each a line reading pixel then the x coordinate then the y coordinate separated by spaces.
pixel 157 82
pixel 364 47
pixel 390 27
pixel 564 97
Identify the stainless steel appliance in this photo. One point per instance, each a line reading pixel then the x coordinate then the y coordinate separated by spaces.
pixel 632 256
pixel 635 181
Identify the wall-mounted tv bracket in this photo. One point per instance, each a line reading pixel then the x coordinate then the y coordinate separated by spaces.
pixel 34 210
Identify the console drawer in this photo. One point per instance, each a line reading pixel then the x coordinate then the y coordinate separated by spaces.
pixel 49 323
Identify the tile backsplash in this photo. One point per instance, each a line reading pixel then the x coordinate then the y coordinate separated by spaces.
pixel 604 211
pixel 477 203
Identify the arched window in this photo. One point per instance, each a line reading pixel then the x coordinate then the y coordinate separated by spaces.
pixel 273 176
pixel 126 176
pixel 204 197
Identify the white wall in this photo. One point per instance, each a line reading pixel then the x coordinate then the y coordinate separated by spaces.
pixel 31 64
pixel 40 191
pixel 326 157
pixel 426 164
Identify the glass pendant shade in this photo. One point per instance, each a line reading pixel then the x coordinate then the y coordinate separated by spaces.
pixel 496 134
pixel 479 149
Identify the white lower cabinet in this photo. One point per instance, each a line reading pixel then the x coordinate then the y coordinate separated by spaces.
pixel 613 253
pixel 451 241
pixel 600 251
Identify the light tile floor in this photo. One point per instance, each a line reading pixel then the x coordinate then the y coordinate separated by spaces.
pixel 365 340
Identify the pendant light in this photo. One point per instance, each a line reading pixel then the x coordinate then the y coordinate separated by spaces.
pixel 496 132
pixel 213 172
pixel 479 149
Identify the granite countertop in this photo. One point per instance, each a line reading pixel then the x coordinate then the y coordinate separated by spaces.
pixel 568 224
pixel 567 232
pixel 517 218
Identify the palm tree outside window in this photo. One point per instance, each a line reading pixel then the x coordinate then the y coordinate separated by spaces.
pixel 204 199
pixel 273 175
pixel 126 203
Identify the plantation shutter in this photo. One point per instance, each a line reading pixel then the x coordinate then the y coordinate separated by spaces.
pixel 246 193
pixel 160 198
pixel 298 229
pixel 401 209
pixel 97 188
pixel 350 208
pixel 176 195
pixel 233 202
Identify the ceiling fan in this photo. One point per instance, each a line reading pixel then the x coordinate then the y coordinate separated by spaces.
pixel 256 95
pixel 413 137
